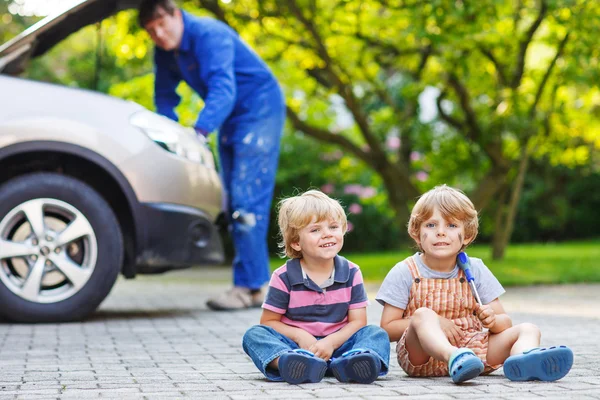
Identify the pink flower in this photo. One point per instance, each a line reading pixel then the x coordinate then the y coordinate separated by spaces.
pixel 353 189
pixel 422 176
pixel 355 208
pixel 350 227
pixel 367 192
pixel 392 143
pixel 333 156
pixel 328 188
pixel 415 156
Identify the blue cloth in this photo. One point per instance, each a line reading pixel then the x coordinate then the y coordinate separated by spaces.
pixel 222 69
pixel 264 344
pixel 243 100
pixel 249 153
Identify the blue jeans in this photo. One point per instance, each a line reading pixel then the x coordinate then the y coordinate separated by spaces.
pixel 248 155
pixel 264 344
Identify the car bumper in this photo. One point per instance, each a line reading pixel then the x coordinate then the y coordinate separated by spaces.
pixel 177 237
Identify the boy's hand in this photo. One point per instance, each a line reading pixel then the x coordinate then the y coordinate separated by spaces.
pixel 486 315
pixel 323 349
pixel 452 331
pixel 305 340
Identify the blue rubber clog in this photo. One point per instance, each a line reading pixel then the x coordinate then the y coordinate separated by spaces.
pixel 357 365
pixel 301 366
pixel 539 364
pixel 464 365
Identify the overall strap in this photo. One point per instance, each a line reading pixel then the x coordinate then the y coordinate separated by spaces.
pixel 412 267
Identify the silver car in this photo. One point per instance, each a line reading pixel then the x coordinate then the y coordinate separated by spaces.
pixel 92 186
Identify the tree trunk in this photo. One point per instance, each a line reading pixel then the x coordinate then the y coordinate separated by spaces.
pixel 506 228
pixel 400 195
pixel 488 187
pixel 498 222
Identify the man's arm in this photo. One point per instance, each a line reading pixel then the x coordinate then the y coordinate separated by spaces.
pixel 165 83
pixel 216 54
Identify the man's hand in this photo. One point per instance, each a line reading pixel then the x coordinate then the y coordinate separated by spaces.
pixel 486 315
pixel 452 331
pixel 305 340
pixel 323 349
pixel 201 132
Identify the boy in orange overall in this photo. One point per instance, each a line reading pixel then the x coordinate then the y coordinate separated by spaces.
pixel 430 310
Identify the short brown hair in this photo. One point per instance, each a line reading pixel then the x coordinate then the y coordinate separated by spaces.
pixel 149 10
pixel 453 204
pixel 297 212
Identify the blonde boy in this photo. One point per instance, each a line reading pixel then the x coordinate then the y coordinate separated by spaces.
pixel 314 316
pixel 430 311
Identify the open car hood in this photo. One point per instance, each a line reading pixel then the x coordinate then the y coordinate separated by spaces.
pixel 43 35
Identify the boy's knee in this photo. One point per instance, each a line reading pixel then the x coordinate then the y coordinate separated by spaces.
pixel 376 332
pixel 254 332
pixel 530 329
pixel 422 314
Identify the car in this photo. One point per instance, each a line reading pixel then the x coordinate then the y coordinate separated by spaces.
pixel 92 186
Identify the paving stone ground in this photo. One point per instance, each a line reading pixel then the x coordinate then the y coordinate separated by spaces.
pixel 153 338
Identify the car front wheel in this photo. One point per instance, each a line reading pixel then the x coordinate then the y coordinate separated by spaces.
pixel 61 248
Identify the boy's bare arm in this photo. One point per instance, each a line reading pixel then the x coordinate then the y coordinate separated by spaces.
pixel 392 322
pixel 493 317
pixel 325 347
pixel 300 336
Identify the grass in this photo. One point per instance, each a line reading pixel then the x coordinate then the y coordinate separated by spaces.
pixel 523 264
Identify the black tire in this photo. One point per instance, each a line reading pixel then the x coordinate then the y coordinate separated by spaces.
pixel 108 237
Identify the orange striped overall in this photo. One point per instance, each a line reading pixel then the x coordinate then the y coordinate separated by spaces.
pixel 451 299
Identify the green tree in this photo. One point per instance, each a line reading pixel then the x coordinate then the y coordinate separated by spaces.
pixel 513 78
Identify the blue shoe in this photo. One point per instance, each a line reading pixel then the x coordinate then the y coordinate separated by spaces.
pixel 300 366
pixel 464 365
pixel 539 364
pixel 357 365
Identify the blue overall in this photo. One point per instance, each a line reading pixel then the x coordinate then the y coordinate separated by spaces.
pixel 244 102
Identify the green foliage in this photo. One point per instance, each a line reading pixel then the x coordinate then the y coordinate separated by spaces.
pixel 559 204
pixel 11 24
pixel 508 76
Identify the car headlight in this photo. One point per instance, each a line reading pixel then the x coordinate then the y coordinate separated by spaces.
pixel 173 137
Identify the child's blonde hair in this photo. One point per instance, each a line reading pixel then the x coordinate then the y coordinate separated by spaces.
pixel 297 212
pixel 453 204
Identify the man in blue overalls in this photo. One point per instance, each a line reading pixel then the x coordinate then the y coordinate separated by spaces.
pixel 243 100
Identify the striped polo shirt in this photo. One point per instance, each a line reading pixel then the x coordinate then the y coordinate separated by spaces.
pixel 305 305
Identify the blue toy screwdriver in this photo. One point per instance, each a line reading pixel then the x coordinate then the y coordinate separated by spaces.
pixel 465 265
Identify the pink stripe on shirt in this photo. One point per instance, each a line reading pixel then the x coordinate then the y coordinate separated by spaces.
pixel 358 278
pixel 358 305
pixel 274 309
pixel 276 281
pixel 317 328
pixel 310 298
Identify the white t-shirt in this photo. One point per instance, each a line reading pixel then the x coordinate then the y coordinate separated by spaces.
pixel 395 289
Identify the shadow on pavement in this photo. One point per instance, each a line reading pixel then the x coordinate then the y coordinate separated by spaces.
pixel 104 315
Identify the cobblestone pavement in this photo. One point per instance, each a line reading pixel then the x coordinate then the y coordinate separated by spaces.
pixel 153 338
